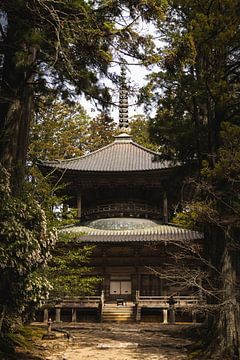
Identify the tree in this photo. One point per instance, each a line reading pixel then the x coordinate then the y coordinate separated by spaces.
pixel 198 77
pixel 139 130
pixel 64 47
pixel 68 271
pixel 58 132
pixel 199 82
pixel 215 208
pixel 25 243
pixel 65 131
pixel 101 131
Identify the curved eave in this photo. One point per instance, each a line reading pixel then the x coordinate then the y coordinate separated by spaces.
pixel 161 233
pixel 123 155
pixel 134 239
pixel 99 171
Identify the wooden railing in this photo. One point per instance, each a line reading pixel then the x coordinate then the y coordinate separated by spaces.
pixel 125 207
pixel 98 301
pixel 82 301
pixel 163 301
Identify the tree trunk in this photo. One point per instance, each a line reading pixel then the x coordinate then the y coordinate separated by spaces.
pixel 2 315
pixel 16 98
pixel 228 341
pixel 225 326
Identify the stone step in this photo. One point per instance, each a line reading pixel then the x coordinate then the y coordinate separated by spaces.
pixel 118 318
pixel 118 313
pixel 104 315
pixel 117 309
pixel 111 316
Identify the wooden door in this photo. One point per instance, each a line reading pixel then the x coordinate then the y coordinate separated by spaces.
pixel 115 287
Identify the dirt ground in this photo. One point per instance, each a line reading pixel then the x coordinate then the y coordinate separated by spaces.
pixel 118 342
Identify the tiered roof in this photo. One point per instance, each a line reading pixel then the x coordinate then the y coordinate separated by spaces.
pixel 123 155
pixel 158 233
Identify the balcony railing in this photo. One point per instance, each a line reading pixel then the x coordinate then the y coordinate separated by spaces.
pixel 163 301
pixel 80 301
pixel 130 207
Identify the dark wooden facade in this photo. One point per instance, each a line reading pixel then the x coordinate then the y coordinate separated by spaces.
pixel 122 179
pixel 125 180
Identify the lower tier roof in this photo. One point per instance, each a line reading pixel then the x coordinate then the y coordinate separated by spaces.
pixel 151 234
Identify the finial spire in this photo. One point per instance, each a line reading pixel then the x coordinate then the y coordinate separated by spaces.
pixel 123 99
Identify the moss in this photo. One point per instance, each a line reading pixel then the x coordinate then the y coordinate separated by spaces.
pixel 24 339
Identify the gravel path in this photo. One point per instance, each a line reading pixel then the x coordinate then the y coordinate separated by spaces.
pixel 119 342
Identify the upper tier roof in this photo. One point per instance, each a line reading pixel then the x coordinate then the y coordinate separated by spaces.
pixel 121 155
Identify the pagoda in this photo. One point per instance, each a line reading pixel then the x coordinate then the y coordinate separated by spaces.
pixel 123 193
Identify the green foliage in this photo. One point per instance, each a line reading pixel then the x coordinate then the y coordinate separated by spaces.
pixel 139 130
pixel 196 91
pixel 65 49
pixel 223 179
pixel 101 132
pixel 196 214
pixel 68 271
pixel 25 243
pixel 196 87
pixel 59 131
pixel 24 338
pixel 216 201
pixel 65 131
pixel 44 191
pixel 228 160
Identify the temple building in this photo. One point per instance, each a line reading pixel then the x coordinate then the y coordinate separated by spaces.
pixel 124 194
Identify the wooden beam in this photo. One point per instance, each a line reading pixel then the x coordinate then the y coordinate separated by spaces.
pixel 79 206
pixel 165 208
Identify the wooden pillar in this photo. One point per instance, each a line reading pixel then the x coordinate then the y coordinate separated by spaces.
pixel 58 315
pixel 79 206
pixel 74 314
pixel 165 316
pixel 165 208
pixel 194 316
pixel 172 315
pixel 137 296
pixel 138 313
pixel 107 286
pixel 45 315
pixel 134 282
pixel 139 281
pixel 102 297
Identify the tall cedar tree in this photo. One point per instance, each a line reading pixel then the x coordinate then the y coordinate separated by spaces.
pixel 196 90
pixel 61 46
pixel 58 47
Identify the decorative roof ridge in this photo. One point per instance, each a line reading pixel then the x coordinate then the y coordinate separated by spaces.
pixel 163 230
pixel 123 138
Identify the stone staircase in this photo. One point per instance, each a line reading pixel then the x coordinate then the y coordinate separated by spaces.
pixel 112 312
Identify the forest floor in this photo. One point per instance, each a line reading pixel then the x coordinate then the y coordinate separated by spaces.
pixel 116 342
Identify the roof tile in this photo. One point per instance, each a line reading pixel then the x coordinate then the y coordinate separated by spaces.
pixel 155 234
pixel 121 155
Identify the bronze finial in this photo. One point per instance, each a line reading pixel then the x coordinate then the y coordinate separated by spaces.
pixel 123 99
